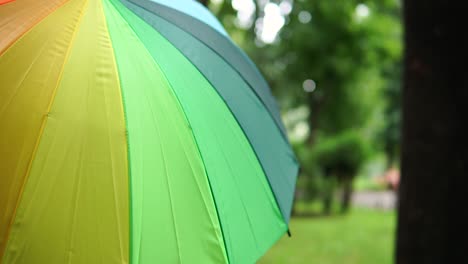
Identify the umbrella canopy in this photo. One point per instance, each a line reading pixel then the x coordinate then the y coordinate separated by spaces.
pixel 135 131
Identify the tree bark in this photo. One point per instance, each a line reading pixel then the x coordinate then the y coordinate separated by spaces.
pixel 431 225
pixel 328 193
pixel 347 184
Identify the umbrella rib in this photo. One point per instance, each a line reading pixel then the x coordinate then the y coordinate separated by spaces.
pixel 131 6
pixel 267 100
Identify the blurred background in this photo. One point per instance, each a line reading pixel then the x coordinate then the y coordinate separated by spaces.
pixel 334 67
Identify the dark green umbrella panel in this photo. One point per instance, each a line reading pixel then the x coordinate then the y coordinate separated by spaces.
pixel 135 131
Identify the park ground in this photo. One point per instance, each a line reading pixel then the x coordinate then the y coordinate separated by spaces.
pixel 363 236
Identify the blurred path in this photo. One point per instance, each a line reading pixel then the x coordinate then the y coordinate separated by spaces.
pixel 385 200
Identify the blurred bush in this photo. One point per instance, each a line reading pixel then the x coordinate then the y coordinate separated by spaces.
pixel 333 162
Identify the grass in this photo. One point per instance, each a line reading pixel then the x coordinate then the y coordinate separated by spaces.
pixel 363 236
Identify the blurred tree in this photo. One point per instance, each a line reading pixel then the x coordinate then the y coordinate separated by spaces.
pixel 431 223
pixel 340 59
pixel 340 156
pixel 344 52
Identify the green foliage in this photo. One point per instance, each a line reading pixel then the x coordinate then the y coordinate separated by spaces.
pixel 331 160
pixel 354 60
pixel 343 154
pixel 345 56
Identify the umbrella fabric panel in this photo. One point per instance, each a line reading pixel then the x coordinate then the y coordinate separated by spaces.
pixel 195 10
pixel 29 71
pixel 5 1
pixel 273 151
pixel 74 208
pixel 20 16
pixel 173 215
pixel 249 215
pixel 224 47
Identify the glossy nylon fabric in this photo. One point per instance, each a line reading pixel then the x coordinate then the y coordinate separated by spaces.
pixel 173 215
pixel 29 71
pixel 249 215
pixel 74 208
pixel 225 48
pixel 273 151
pixel 17 17
pixel 5 1
pixel 195 10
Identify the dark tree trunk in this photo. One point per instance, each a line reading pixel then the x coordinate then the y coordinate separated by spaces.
pixel 328 193
pixel 327 203
pixel 431 222
pixel 347 183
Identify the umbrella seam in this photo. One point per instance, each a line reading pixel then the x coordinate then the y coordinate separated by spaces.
pixel 282 132
pixel 256 154
pixel 41 130
pixel 196 144
pixel 198 150
pixel 39 20
pixel 124 114
pixel 127 138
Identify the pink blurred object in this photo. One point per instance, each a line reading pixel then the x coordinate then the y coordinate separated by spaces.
pixel 392 178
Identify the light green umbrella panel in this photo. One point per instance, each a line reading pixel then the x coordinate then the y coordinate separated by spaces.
pixel 135 131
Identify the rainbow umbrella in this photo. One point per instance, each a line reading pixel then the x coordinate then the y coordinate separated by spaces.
pixel 135 131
